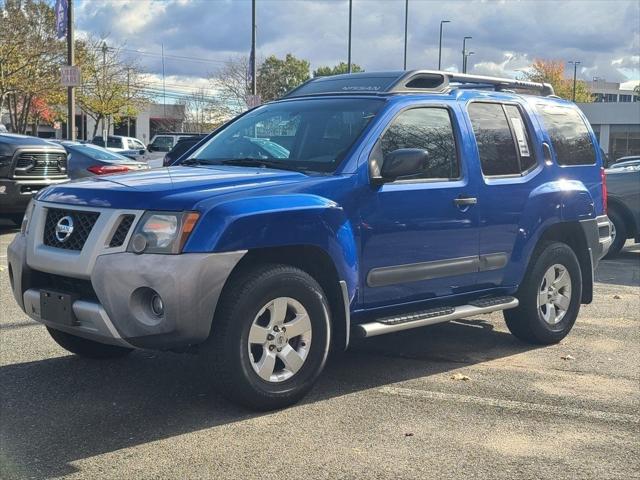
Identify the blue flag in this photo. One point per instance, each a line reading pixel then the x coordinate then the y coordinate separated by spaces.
pixel 61 18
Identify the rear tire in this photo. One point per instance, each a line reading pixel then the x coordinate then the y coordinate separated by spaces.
pixel 549 296
pixel 619 233
pixel 251 358
pixel 86 348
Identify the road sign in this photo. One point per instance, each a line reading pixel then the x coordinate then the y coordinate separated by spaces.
pixel 70 76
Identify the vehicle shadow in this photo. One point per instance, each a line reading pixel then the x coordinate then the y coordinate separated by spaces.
pixel 60 410
pixel 623 269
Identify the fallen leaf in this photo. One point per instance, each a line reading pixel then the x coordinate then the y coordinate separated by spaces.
pixel 459 376
pixel 408 434
pixel 567 357
pixel 617 297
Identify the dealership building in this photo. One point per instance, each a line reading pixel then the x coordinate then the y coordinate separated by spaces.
pixel 615 118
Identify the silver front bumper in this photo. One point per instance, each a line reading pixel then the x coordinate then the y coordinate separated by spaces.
pixel 190 285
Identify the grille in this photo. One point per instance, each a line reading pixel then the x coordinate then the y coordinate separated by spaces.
pixel 121 232
pixel 41 164
pixel 83 222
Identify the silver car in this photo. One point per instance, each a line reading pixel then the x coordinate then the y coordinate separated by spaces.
pixel 86 160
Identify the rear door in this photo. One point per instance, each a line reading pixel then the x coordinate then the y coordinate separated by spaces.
pixel 418 240
pixel 509 163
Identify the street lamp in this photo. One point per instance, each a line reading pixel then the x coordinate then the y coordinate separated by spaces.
pixel 406 24
pixel 349 46
pixel 464 51
pixel 464 68
pixel 575 70
pixel 440 47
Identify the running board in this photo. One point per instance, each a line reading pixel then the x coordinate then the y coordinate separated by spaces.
pixel 433 316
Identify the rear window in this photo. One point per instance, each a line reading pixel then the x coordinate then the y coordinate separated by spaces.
pixel 569 135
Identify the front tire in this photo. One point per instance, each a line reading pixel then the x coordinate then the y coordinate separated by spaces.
pixel 86 348
pixel 549 296
pixel 270 337
pixel 618 232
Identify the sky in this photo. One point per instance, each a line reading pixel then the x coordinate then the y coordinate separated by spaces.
pixel 604 35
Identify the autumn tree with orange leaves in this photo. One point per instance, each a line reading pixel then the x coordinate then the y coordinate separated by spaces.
pixel 553 72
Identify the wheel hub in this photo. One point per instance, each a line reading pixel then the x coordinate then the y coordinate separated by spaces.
pixel 554 295
pixel 279 339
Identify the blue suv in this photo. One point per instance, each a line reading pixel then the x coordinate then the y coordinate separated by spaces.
pixel 358 204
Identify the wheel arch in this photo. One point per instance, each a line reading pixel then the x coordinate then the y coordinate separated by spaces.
pixel 318 264
pixel 572 234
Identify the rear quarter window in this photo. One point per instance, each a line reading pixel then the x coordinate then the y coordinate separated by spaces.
pixel 570 136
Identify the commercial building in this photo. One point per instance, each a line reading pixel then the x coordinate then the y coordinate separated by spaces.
pixel 615 118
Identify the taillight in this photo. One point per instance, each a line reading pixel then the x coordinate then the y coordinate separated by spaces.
pixel 106 169
pixel 603 178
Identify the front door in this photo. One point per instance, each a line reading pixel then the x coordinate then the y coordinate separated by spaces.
pixel 420 234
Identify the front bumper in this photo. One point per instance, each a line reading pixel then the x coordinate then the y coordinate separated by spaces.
pixel 119 313
pixel 15 194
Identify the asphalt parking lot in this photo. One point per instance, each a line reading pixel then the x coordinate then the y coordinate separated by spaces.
pixel 388 408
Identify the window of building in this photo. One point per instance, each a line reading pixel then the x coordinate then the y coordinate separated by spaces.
pixel 502 139
pixel 624 140
pixel 610 97
pixel 569 135
pixel 624 98
pixel 428 129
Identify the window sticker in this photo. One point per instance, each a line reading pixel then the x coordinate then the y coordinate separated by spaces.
pixel 520 136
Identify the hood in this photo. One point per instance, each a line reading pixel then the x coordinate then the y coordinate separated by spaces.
pixel 172 188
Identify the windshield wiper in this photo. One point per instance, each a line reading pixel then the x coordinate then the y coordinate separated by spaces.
pixel 194 161
pixel 258 162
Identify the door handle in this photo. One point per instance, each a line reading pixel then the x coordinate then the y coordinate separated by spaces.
pixel 465 201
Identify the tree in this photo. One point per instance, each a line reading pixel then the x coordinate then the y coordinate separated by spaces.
pixel 552 71
pixel 30 58
pixel 231 82
pixel 342 67
pixel 112 87
pixel 201 112
pixel 276 77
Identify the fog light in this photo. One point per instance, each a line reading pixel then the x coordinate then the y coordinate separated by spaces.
pixel 157 305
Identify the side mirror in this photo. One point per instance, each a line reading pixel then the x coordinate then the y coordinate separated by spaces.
pixel 141 152
pixel 150 148
pixel 403 162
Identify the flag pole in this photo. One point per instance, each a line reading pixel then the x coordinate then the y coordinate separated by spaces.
pixel 71 96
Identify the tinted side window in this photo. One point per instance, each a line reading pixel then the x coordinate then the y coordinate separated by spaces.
pixel 498 154
pixel 519 129
pixel 569 135
pixel 428 129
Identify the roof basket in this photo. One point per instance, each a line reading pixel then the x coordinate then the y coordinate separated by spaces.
pixel 414 81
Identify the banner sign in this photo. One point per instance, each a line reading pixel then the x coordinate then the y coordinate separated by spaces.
pixel 61 18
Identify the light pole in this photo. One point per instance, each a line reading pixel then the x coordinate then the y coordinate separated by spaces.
pixel 466 57
pixel 464 51
pixel 440 47
pixel 254 79
pixel 575 71
pixel 406 24
pixel 349 47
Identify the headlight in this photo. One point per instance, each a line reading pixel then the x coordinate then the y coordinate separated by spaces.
pixel 162 232
pixel 24 227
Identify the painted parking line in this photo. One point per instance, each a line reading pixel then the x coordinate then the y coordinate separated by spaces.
pixel 513 405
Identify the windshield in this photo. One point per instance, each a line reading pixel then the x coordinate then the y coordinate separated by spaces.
pixel 313 134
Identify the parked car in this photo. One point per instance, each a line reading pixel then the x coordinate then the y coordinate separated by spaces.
pixel 623 202
pixel 86 160
pixel 181 147
pixel 164 142
pixel 624 162
pixel 27 164
pixel 405 199
pixel 128 146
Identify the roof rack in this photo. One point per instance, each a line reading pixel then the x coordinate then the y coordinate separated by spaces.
pixel 414 81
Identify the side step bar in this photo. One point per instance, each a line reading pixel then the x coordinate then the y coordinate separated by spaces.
pixel 433 316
